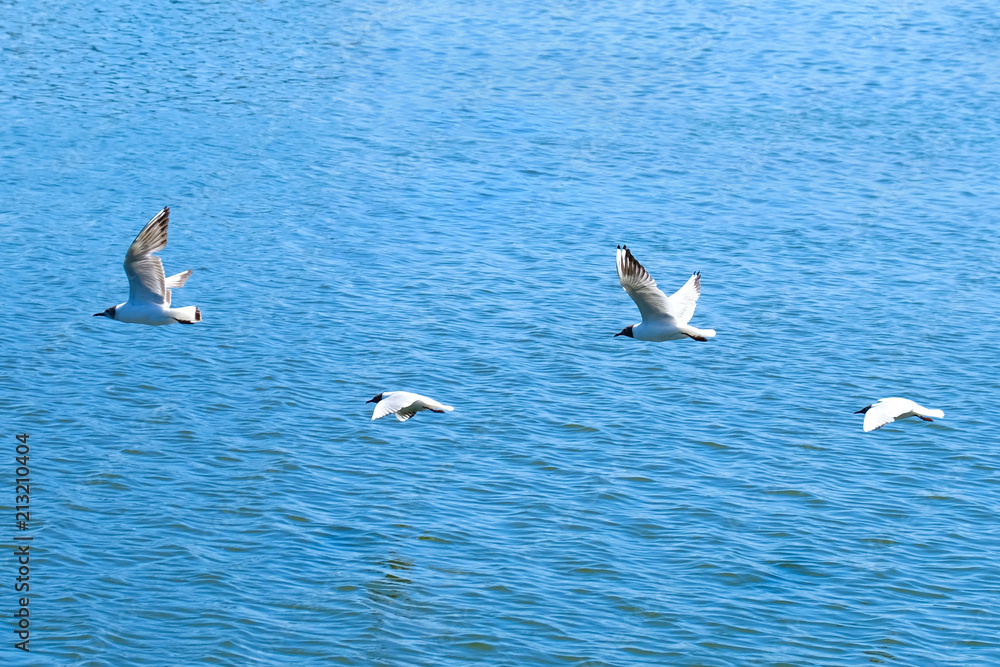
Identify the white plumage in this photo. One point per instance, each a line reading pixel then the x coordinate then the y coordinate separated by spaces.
pixel 404 405
pixel 149 291
pixel 663 317
pixel 887 410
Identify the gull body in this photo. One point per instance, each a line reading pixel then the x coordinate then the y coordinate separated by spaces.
pixel 148 288
pixel 404 405
pixel 887 410
pixel 663 317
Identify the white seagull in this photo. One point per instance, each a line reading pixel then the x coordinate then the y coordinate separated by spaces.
pixel 663 318
pixel 148 289
pixel 404 405
pixel 887 410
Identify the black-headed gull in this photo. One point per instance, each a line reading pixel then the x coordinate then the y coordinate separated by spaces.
pixel 887 410
pixel 663 318
pixel 404 405
pixel 148 289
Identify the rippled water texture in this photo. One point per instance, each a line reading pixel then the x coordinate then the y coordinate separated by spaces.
pixel 427 196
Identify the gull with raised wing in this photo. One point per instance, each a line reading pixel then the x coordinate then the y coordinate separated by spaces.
pixel 404 405
pixel 887 410
pixel 663 317
pixel 148 289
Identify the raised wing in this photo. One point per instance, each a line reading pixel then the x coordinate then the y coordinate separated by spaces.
pixel 146 282
pixel 177 280
pixel 394 401
pixel 683 301
pixel 636 281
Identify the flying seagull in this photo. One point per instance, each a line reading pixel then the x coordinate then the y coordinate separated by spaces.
pixel 887 410
pixel 404 405
pixel 663 318
pixel 148 290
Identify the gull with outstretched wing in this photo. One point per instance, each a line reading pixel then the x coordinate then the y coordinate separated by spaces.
pixel 404 405
pixel 663 317
pixel 887 410
pixel 148 288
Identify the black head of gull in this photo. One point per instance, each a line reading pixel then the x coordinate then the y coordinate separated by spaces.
pixel 110 312
pixel 627 331
pixel 376 399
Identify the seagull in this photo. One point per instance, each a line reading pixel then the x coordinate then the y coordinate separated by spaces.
pixel 404 405
pixel 148 290
pixel 663 318
pixel 887 410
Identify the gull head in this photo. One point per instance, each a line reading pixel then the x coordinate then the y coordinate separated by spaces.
pixel 376 399
pixel 110 313
pixel 863 410
pixel 627 331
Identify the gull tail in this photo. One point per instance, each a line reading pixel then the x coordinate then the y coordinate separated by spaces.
pixel 187 314
pixel 177 280
pixel 696 333
pixel 934 413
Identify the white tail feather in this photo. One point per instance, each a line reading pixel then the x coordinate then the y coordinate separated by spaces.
pixel 186 314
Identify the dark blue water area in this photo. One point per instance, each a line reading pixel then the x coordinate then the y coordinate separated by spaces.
pixel 427 196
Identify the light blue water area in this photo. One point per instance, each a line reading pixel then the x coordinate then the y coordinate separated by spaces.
pixel 427 196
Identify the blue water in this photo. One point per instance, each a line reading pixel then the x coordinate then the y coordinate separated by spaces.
pixel 427 196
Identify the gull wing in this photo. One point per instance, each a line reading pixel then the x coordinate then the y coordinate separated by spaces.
pixel 177 280
pixel 392 403
pixel 885 411
pixel 683 301
pixel 146 282
pixel 425 403
pixel 636 281
pixel 877 417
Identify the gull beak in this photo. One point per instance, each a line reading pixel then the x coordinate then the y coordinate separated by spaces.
pixel 863 410
pixel 99 315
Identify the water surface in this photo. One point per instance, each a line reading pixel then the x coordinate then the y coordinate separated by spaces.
pixel 427 196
